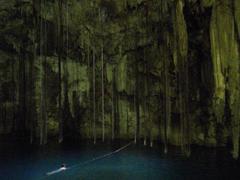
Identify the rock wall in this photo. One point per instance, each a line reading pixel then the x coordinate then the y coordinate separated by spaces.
pixel 149 71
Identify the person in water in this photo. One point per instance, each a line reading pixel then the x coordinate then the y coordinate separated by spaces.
pixel 63 167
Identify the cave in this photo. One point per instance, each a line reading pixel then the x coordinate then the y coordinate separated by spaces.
pixel 119 89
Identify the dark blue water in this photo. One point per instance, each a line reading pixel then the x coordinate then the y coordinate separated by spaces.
pixel 23 162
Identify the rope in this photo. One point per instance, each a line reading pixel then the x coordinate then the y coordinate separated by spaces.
pixel 90 161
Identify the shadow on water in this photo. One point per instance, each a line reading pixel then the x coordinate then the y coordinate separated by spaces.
pixel 22 161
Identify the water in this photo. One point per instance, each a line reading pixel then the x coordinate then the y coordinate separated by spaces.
pixel 23 162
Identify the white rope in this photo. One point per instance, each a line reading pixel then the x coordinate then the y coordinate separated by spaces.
pixel 89 161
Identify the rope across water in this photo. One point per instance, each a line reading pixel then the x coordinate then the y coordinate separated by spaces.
pixel 89 161
pixel 100 157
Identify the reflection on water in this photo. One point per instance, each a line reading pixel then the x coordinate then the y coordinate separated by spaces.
pixel 19 161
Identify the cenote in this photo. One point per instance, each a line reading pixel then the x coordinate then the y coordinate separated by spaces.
pixel 81 79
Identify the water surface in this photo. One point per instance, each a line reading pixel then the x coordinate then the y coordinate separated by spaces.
pixel 23 162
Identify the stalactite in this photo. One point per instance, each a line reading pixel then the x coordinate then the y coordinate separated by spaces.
pixel 164 49
pixel 181 51
pixel 235 9
pixel 225 57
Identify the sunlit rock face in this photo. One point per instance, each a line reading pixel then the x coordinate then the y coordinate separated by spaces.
pixel 167 73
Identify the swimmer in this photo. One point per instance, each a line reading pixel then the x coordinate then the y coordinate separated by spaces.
pixel 62 168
